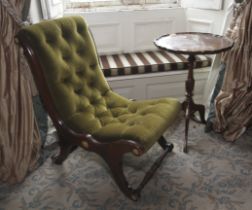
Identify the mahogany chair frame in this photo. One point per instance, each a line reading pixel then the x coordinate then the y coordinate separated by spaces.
pixel 111 152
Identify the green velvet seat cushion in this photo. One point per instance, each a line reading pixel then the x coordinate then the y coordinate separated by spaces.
pixel 80 92
pixel 142 121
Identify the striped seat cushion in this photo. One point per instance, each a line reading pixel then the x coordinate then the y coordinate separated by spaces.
pixel 147 62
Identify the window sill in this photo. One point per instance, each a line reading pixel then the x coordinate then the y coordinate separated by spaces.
pixel 122 8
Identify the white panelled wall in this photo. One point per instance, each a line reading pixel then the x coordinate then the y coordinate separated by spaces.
pixel 135 30
pixel 128 31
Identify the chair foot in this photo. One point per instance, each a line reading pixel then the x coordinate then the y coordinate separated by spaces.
pixel 135 196
pixel 65 150
pixel 185 149
pixel 165 145
pixel 169 146
pixel 115 165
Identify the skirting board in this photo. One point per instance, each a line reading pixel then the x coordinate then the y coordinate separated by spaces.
pixel 162 84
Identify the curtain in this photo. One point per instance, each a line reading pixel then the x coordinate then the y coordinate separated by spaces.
pixel 233 104
pixel 19 135
pixel 216 75
pixel 215 69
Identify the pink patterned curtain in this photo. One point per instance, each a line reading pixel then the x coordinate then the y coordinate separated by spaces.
pixel 19 135
pixel 234 102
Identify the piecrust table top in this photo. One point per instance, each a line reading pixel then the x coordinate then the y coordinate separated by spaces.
pixel 194 43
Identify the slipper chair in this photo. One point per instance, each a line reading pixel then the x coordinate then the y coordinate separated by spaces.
pixel 85 111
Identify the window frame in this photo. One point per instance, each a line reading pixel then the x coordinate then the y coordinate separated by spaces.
pixel 101 4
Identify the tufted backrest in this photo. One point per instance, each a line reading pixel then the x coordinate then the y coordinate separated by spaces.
pixel 70 65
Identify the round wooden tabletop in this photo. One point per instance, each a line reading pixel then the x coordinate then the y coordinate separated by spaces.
pixel 194 43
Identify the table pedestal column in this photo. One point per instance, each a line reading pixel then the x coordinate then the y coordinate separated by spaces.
pixel 188 105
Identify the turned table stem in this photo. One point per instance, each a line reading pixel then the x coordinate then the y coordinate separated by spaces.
pixel 188 105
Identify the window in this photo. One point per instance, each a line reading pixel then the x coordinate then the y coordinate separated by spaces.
pixel 203 4
pixel 86 4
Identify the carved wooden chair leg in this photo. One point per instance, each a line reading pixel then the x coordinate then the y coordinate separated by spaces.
pixel 153 169
pixel 65 149
pixel 116 166
pixel 115 163
pixel 164 144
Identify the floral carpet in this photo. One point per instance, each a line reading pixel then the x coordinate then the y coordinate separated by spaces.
pixel 213 175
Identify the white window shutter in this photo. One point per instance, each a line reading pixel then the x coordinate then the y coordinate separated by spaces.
pixel 52 8
pixel 228 17
pixel 203 4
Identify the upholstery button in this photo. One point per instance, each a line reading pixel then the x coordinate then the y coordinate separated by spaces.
pixel 92 101
pixel 134 111
pixel 91 83
pixel 50 40
pixel 93 66
pixel 66 80
pixel 81 109
pixel 122 120
pixel 65 36
pixel 80 51
pixel 80 29
pixel 66 57
pixel 114 114
pixel 104 93
pixel 49 36
pixel 131 123
pixel 95 101
pixel 66 33
pixel 78 91
pixel 80 73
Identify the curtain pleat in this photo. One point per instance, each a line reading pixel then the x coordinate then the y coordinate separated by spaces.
pixel 234 102
pixel 19 135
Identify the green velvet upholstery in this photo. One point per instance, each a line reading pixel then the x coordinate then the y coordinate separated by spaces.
pixel 82 96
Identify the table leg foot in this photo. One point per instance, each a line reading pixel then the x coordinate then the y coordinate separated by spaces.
pixel 187 120
pixel 194 108
pixel 201 109
pixel 190 108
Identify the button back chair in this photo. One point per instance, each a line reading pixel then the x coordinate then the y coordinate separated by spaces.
pixel 83 108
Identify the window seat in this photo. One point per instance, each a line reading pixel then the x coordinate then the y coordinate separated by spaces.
pixel 154 74
pixel 148 62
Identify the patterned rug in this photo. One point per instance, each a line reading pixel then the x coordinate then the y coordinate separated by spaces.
pixel 214 175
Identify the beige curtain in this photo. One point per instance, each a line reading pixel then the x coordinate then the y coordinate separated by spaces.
pixel 19 136
pixel 234 102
